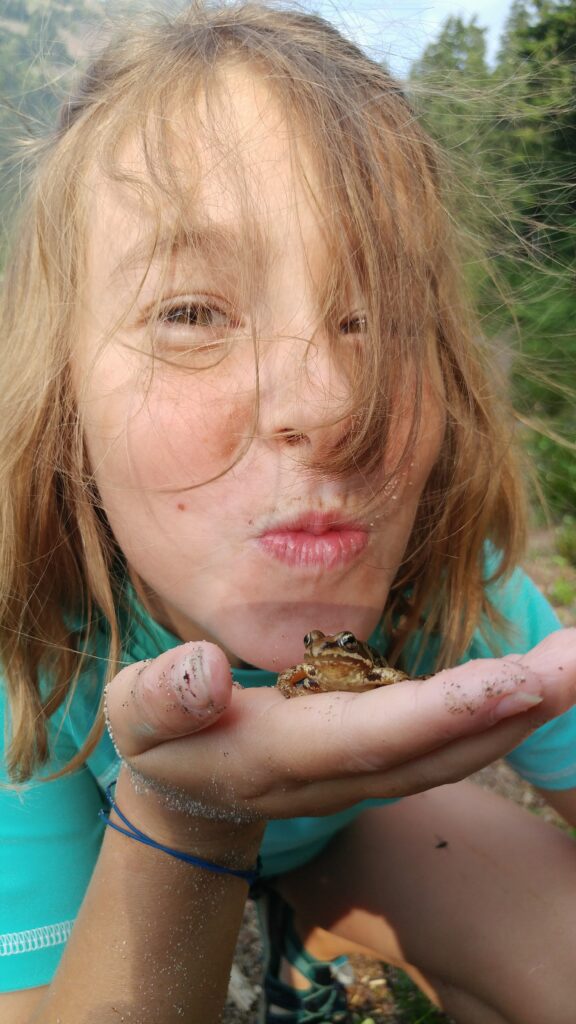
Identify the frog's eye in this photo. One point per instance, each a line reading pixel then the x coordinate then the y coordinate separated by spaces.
pixel 307 639
pixel 348 641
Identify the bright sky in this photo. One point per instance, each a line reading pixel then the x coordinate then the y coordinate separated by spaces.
pixel 398 32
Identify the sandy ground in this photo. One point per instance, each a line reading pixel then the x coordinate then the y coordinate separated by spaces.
pixel 371 996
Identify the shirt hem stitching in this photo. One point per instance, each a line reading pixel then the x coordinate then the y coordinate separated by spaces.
pixel 32 939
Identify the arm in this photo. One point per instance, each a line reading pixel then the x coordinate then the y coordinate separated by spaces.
pixel 17 1007
pixel 155 937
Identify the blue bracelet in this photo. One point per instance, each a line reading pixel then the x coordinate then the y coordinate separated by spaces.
pixel 132 832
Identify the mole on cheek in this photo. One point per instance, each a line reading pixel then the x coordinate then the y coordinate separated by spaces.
pixel 181 506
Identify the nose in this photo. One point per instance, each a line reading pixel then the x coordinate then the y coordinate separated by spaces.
pixel 304 394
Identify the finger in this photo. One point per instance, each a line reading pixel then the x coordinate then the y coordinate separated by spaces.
pixel 553 659
pixel 447 764
pixel 324 736
pixel 462 757
pixel 182 691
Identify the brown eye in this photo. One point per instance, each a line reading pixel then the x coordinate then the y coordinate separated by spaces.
pixel 348 641
pixel 194 314
pixel 192 333
pixel 357 324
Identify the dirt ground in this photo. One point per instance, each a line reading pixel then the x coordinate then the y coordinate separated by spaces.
pixel 371 996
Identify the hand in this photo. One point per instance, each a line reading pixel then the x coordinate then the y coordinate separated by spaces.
pixel 241 755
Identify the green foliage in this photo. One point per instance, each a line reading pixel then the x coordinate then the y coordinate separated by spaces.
pixel 538 65
pixel 512 130
pixel 556 466
pixel 455 116
pixel 562 593
pixel 459 50
pixel 566 540
pixel 413 1006
pixel 35 68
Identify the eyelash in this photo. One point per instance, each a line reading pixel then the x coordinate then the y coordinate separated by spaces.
pixel 191 314
pixel 358 318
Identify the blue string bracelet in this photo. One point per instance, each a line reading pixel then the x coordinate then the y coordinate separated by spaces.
pixel 250 876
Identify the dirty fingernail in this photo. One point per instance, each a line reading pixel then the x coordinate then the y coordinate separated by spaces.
pixel 184 679
pixel 189 678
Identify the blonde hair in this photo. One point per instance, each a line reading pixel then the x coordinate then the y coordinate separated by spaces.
pixel 383 176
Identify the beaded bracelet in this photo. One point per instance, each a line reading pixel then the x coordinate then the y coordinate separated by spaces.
pixel 250 875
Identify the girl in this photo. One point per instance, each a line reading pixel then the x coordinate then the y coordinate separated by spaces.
pixel 244 400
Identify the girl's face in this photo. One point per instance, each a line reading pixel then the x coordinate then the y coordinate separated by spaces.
pixel 261 553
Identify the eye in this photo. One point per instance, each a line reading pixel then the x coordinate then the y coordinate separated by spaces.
pixel 312 637
pixel 194 314
pixel 348 641
pixel 191 333
pixel 355 324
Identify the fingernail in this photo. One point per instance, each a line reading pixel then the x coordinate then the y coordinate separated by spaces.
pixel 188 678
pixel 185 679
pixel 515 704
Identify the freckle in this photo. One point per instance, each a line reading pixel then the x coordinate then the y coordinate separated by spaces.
pixel 181 506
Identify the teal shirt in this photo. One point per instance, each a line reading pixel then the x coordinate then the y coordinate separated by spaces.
pixel 50 833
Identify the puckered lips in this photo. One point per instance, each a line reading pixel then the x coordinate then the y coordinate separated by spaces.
pixel 315 540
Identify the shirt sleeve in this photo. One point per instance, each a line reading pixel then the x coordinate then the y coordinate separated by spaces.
pixel 50 837
pixel 548 757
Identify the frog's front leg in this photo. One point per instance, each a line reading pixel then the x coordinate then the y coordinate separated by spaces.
pixel 288 681
pixel 383 675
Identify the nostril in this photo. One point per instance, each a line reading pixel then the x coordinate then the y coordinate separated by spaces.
pixel 292 437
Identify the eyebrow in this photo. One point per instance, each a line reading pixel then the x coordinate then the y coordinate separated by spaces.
pixel 207 240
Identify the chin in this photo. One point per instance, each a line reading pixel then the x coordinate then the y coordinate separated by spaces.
pixel 272 637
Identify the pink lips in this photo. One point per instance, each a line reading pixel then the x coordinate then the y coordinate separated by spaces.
pixel 315 541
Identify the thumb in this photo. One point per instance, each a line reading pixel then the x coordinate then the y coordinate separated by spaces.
pixel 182 691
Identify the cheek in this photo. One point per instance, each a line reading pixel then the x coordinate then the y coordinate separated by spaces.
pixel 174 434
pixel 409 473
pixel 430 441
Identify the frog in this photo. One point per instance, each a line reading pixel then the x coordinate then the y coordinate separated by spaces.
pixel 337 661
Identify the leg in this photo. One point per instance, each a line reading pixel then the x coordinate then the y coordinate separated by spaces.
pixel 486 921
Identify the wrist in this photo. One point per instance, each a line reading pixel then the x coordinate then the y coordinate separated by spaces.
pixel 170 821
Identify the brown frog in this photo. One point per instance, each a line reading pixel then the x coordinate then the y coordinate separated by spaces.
pixel 337 662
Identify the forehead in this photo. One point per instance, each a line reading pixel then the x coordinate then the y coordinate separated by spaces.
pixel 234 159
